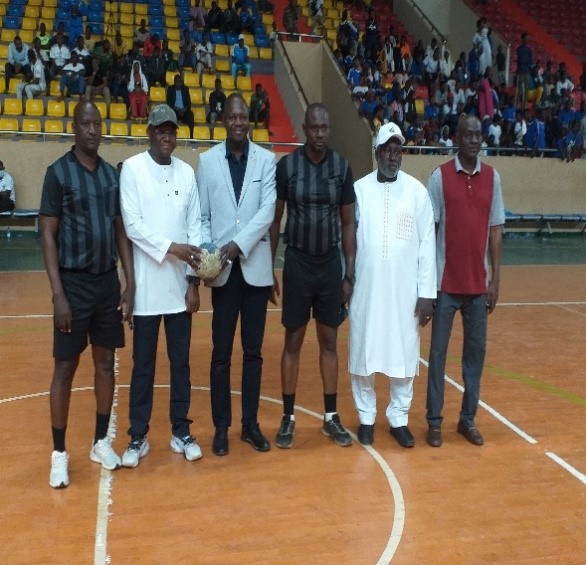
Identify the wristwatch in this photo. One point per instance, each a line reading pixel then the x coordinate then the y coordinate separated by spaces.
pixel 192 280
pixel 350 279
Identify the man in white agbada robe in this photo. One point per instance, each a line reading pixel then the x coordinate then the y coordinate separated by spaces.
pixel 395 286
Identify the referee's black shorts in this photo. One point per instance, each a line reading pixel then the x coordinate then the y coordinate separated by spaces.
pixel 312 284
pixel 94 301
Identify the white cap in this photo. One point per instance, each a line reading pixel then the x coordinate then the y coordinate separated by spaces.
pixel 241 36
pixel 388 131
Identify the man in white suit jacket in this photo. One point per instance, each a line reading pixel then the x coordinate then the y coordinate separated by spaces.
pixel 236 180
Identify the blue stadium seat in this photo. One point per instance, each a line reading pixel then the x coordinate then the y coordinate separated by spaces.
pixel 183 12
pixel 63 14
pixel 184 23
pixel 160 31
pixel 11 22
pixel 196 35
pixel 155 10
pixel 231 39
pixel 262 41
pixel 57 21
pixel 65 4
pixel 157 22
pixel 15 10
pixel 96 6
pixel 182 3
pixel 259 29
pixel 97 28
pixel 95 16
pixel 22 2
pixel 218 37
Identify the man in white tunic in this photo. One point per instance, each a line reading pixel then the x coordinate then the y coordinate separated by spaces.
pixel 161 213
pixel 395 286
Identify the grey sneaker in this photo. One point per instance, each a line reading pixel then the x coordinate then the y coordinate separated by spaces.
pixel 103 453
pixel 286 432
pixel 59 477
pixel 187 446
pixel 336 431
pixel 137 448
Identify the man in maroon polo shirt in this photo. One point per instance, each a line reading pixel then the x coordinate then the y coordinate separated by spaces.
pixel 469 217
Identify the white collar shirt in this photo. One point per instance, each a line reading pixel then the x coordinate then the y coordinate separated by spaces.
pixel 160 206
pixel 7 184
pixel 60 54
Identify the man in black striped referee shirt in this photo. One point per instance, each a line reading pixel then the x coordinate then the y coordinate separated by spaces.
pixel 317 186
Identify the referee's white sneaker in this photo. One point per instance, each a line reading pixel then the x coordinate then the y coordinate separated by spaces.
pixel 137 448
pixel 103 453
pixel 187 446
pixel 59 476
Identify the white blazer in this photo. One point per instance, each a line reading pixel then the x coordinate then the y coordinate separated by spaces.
pixel 246 222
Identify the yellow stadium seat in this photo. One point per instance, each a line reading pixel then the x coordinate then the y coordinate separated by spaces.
pixel 28 24
pixel 199 115
pixel 260 135
pixel 331 34
pixel 138 130
pixel 71 107
pixel 8 35
pixel 168 2
pixel 265 53
pixel 220 133
pixel 247 95
pixel 248 39
pixel 227 82
pixel 102 108
pixel 157 94
pixel 208 81
pixel 222 65
pixel 174 46
pixel 117 111
pixel 141 9
pixel 172 24
pixel 126 30
pixel 31 125
pixel 56 109
pixel 170 76
pixel 196 96
pixel 8 124
pixel 12 107
pixel 191 80
pixel 53 126
pixel 14 82
pixel 31 11
pixel 34 107
pixel 126 7
pixel 2 9
pixel 173 34
pixel 253 52
pixel 54 88
pixel 127 19
pixel 268 19
pixel 169 12
pixel 201 132
pixel 419 106
pixel 50 3
pixel 28 35
pixel 35 2
pixel 119 129
pixel 222 50
pixel 243 83
pixel 3 51
pixel 183 132
pixel 47 13
pixel 2 87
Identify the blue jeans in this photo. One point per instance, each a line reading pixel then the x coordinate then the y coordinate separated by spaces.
pixel 74 85
pixel 237 298
pixel 144 354
pixel 474 319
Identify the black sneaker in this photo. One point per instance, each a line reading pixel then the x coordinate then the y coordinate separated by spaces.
pixel 336 431
pixel 366 434
pixel 286 432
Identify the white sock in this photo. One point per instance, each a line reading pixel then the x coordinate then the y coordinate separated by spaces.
pixel 291 417
pixel 328 416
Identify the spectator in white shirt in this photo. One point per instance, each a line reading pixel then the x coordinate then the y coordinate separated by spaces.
pixel 36 84
pixel 59 56
pixel 203 55
pixel 17 63
pixel 72 81
pixel 6 190
pixel 563 83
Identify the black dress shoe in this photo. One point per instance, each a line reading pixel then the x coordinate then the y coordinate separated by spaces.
pixel 434 436
pixel 220 443
pixel 471 434
pixel 403 436
pixel 253 436
pixel 366 434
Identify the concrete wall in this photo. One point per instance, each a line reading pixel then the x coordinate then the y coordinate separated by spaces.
pixel 437 12
pixel 529 185
pixel 306 59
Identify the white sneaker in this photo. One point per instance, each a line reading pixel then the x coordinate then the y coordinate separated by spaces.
pixel 136 449
pixel 187 446
pixel 59 477
pixel 103 453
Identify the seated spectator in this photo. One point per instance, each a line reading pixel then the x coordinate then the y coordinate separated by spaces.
pixel 34 80
pixel 197 16
pixel 103 66
pixel 141 33
pixel 187 56
pixel 240 61
pixel 150 43
pixel 119 47
pixel 378 117
pixel 137 75
pixel 179 99
pixel 59 55
pixel 519 129
pixel 84 56
pixel 563 86
pixel 42 56
pixel 291 17
pixel 18 63
pixel 566 114
pixel 72 80
pixel 75 23
pixel 215 18
pixel 535 136
pixel 245 20
pixel 260 107
pixel 368 106
pixel 572 143
pixel 359 91
pixel 355 73
pixel 168 57
pixel 216 103
pixel 44 38
pixel 89 41
pixel 203 54
pixel 230 22
pixel 495 131
pixel 155 69
pixel 60 30
pixel 119 79
pixel 6 190
pixel 461 68
pixel 446 141
pixel 139 102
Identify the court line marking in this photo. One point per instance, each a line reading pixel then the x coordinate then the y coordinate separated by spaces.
pixel 556 458
pixel 565 307
pixel 105 500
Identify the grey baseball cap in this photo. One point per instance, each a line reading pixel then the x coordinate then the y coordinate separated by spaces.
pixel 161 114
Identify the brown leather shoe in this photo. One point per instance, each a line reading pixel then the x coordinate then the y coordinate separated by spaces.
pixel 471 434
pixel 434 436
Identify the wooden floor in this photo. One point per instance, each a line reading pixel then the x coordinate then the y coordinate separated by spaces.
pixel 510 501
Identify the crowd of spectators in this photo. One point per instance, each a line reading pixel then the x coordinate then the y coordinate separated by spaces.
pixel 424 91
